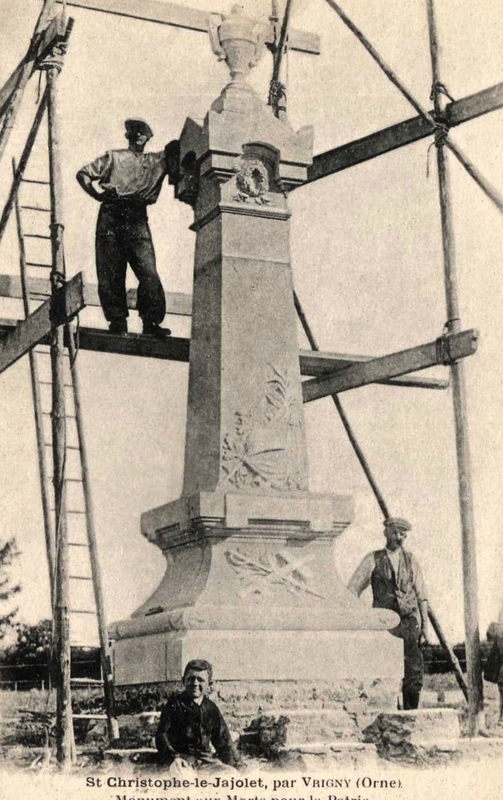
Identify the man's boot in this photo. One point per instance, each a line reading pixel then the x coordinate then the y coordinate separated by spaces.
pixel 410 699
pixel 118 325
pixel 151 329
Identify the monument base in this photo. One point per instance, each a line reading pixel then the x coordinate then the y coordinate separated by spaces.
pixel 262 655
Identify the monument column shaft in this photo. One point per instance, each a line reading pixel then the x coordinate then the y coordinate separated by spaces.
pixel 245 425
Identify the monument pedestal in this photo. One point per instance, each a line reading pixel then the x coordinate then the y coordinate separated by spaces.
pixel 251 586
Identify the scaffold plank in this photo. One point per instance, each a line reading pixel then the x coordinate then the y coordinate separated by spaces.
pixel 460 345
pixel 177 303
pixel 182 17
pixel 401 134
pixel 28 332
pixel 134 344
pixel 178 348
pixel 314 363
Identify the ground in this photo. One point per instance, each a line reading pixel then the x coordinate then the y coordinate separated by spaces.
pixel 23 732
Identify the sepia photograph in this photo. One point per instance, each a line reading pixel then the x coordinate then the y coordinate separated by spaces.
pixel 251 417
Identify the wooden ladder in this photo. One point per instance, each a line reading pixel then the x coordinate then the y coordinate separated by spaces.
pixel 85 583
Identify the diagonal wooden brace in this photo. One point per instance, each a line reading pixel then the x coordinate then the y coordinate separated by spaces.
pixel 459 346
pixel 403 133
pixel 318 364
pixel 70 299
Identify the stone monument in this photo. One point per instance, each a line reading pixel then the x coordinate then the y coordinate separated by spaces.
pixel 250 580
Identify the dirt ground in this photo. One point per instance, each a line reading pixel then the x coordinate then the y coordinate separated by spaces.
pixel 22 735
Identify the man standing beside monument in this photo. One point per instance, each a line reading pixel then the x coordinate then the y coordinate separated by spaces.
pixel 397 584
pixel 129 180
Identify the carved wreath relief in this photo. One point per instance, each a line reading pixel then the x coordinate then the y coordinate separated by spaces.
pixel 252 182
pixel 263 450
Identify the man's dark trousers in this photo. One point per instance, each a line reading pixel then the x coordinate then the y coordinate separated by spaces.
pixel 123 237
pixel 408 630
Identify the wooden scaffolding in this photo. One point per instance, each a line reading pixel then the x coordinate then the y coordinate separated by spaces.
pixel 50 326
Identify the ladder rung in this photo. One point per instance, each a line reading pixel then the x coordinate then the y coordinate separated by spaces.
pixel 35 208
pixel 70 510
pixel 68 480
pixel 88 716
pixel 36 236
pixel 49 383
pixel 81 611
pixel 30 180
pixel 68 446
pixel 78 544
pixel 47 352
pixel 79 578
pixel 36 264
pixel 67 416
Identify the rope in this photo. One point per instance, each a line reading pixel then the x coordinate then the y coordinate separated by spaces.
pixel 443 351
pixel 442 344
pixel 277 89
pixel 440 135
pixel 439 88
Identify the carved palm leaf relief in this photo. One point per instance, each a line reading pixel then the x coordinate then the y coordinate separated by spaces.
pixel 263 450
pixel 261 572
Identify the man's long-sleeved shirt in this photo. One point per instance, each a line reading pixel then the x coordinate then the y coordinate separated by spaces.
pixel 136 177
pixel 189 729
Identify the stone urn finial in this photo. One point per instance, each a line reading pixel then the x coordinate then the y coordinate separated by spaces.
pixel 237 40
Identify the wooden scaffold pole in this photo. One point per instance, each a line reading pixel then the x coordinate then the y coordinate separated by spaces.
pixel 64 726
pixel 453 325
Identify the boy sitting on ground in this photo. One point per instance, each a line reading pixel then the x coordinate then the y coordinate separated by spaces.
pixel 191 725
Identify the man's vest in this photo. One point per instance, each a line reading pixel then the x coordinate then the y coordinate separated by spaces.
pixel 395 592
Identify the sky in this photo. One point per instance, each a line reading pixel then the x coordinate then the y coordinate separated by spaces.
pixel 367 262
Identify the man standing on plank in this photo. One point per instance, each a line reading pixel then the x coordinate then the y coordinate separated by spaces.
pixel 129 180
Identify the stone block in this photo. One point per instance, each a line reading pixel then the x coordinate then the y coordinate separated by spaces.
pixel 262 655
pixel 407 734
pixel 312 757
pixel 291 728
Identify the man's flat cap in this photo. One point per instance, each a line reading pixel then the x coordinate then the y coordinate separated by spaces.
pixel 398 522
pixel 138 126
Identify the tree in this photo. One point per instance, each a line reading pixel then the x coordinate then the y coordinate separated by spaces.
pixel 33 644
pixel 8 552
